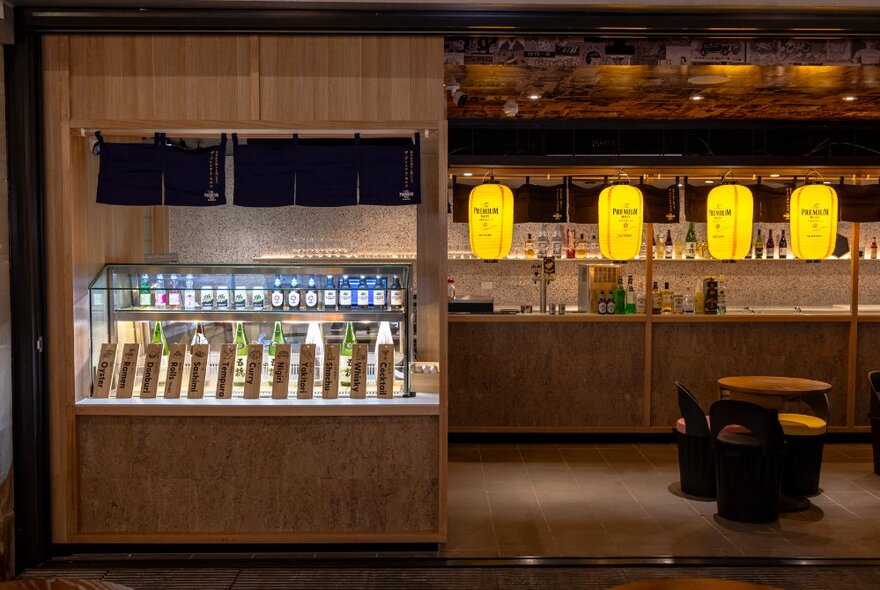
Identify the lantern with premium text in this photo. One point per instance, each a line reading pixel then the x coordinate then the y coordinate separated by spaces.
pixel 813 210
pixel 490 220
pixel 729 211
pixel 621 213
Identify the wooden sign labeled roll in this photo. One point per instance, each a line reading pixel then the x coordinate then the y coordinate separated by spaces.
pixel 225 371
pixel 198 370
pixel 359 371
pixel 104 370
pixel 174 374
pixel 330 380
pixel 305 380
pixel 152 369
pixel 127 370
pixel 253 371
pixel 281 371
pixel 385 371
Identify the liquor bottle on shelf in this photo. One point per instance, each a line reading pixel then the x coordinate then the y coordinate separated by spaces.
pixel 160 296
pixel 371 291
pixel 277 297
pixel 379 292
pixel 222 297
pixel 783 246
pixel 666 302
pixel 383 337
pixel 344 293
pixel 580 250
pixel 529 247
pixel 677 303
pixel 873 248
pixel 654 251
pixel 679 248
pixel 189 293
pixel 609 303
pixel 641 300
pixel 145 297
pixel 668 248
pixel 159 338
pixel 770 248
pixel 603 303
pixel 557 241
pixel 329 293
pixel 655 299
pixel 199 337
pixel 759 246
pixel 699 297
pixel 543 243
pixel 240 355
pixel 570 240
pixel 314 336
pixel 690 243
pixel 294 296
pixel 363 293
pixel 688 303
pixel 619 298
pixel 345 352
pixel 258 298
pixel 277 338
pixel 643 247
pixel 175 299
pixel 722 296
pixel 206 298
pixel 396 294
pixel 593 250
pixel 241 298
pixel 630 297
pixel 311 297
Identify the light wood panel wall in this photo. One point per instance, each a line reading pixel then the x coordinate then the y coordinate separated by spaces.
pixel 225 82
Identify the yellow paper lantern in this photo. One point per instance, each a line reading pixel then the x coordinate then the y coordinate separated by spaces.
pixel 813 211
pixel 729 209
pixel 490 221
pixel 621 213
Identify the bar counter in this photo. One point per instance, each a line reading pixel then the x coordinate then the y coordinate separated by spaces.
pixel 591 373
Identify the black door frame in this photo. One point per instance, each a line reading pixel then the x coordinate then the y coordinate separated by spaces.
pixel 25 138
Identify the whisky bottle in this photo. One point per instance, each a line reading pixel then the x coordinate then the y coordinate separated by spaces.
pixel 603 306
pixel 277 297
pixel 690 243
pixel 722 296
pixel 329 293
pixel 677 303
pixel 580 250
pixel 783 246
pixel 345 353
pixel 529 247
pixel 873 248
pixel 770 248
pixel 655 299
pixel 668 249
pixel 666 301
pixel 759 246
pixel 630 297
pixel 240 355
pixel 619 298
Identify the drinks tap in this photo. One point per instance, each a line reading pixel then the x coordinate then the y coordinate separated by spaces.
pixel 543 272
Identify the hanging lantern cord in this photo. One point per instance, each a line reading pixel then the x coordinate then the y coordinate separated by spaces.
pixel 620 177
pixel 491 175
pixel 814 173
pixel 724 177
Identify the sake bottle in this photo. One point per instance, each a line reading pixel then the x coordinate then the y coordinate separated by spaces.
pixel 159 338
pixel 314 336
pixel 240 355
pixel 345 353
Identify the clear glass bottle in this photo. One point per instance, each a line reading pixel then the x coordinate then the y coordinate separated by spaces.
pixel 314 336
pixel 543 243
pixel 666 302
pixel 258 298
pixel 580 250
pixel 311 296
pixel 593 251
pixel 277 296
pixel 557 242
pixel 529 247
pixel 688 303
pixel 641 300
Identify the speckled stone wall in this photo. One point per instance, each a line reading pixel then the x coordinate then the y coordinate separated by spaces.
pixel 166 475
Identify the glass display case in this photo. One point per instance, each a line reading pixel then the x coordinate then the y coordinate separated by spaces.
pixel 342 303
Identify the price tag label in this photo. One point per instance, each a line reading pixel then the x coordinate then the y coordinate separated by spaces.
pixel 330 380
pixel 359 371
pixel 104 370
pixel 127 370
pixel 253 371
pixel 305 381
pixel 152 368
pixel 385 371
pixel 174 377
pixel 198 369
pixel 281 371
pixel 225 371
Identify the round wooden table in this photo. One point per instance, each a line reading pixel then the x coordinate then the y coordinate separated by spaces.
pixel 769 391
pixel 692 584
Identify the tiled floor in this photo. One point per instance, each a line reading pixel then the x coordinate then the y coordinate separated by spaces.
pixel 622 500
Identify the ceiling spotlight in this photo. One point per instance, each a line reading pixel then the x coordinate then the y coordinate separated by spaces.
pixel 774 175
pixel 534 97
pixel 849 98
pixel 468 174
pixel 459 98
pixel 826 182
pixel 697 97
pixel 510 108
pixel 709 181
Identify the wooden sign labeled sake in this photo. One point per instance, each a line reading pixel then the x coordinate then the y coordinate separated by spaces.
pixel 253 371
pixel 281 371
pixel 225 371
pixel 127 370
pixel 174 374
pixel 385 371
pixel 305 380
pixel 359 371
pixel 152 369
pixel 198 370
pixel 104 370
pixel 330 380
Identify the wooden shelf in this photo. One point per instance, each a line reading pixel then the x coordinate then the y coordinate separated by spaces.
pixel 463 318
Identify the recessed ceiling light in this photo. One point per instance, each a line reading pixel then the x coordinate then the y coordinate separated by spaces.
pixel 709 79
pixel 534 97
pixel 709 182
pixel 697 97
pixel 826 182
pixel 468 174
pixel 849 98
pixel 774 175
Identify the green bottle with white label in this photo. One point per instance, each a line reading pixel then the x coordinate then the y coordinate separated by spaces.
pixel 690 243
pixel 345 353
pixel 240 355
pixel 159 338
